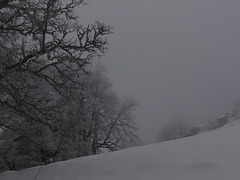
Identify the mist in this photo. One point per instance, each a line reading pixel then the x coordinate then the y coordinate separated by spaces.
pixel 172 56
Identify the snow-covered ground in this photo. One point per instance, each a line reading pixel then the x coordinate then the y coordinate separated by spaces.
pixel 209 156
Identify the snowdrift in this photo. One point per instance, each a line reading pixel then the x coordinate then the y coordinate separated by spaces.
pixel 210 156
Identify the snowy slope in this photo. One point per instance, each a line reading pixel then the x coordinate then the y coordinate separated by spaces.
pixel 209 156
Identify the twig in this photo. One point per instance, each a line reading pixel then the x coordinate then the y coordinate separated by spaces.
pixel 38 173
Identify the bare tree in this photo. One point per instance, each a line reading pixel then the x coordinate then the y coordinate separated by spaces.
pixel 43 49
pixel 43 53
pixel 111 125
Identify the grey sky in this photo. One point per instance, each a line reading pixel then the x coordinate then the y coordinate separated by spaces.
pixel 174 56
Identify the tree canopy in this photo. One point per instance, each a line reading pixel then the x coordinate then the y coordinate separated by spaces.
pixel 53 106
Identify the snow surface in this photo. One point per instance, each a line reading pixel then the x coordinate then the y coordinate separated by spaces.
pixel 209 156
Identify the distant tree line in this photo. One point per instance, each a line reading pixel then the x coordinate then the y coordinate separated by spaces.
pixel 55 103
pixel 177 127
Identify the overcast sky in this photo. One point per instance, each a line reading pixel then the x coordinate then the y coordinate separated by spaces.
pixel 173 56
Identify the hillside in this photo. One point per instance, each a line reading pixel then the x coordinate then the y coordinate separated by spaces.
pixel 210 156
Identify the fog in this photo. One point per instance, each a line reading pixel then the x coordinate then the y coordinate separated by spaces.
pixel 172 56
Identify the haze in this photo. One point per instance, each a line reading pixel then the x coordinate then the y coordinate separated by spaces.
pixel 172 56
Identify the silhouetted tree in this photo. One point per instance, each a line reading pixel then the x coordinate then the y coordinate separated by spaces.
pixel 44 51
